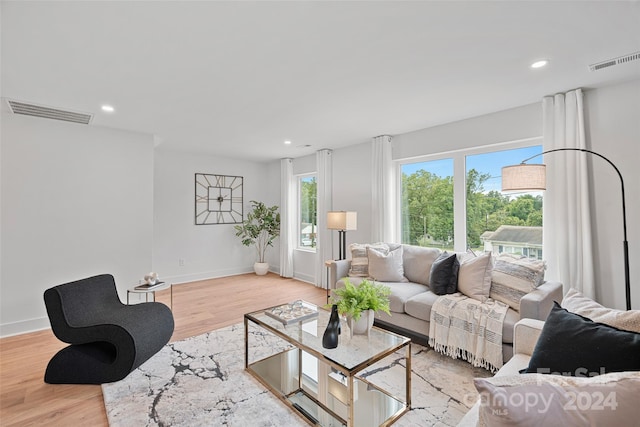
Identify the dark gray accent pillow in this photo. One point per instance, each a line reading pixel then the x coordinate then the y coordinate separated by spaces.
pixel 443 278
pixel 574 345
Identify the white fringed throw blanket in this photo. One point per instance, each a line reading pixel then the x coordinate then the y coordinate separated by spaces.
pixel 462 327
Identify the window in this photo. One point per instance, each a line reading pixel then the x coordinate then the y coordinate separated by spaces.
pixel 456 203
pixel 492 216
pixel 308 224
pixel 427 203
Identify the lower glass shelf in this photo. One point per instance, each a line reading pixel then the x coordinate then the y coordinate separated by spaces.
pixel 325 402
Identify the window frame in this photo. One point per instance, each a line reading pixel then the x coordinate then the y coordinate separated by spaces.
pixel 459 185
pixel 299 178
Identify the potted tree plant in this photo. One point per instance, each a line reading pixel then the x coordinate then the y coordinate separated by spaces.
pixel 260 229
pixel 359 303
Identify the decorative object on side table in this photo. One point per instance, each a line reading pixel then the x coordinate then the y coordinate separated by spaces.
pixel 151 282
pixel 293 312
pixel 330 337
pixel 260 229
pixel 359 303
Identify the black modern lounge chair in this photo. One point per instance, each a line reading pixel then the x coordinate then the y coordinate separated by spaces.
pixel 108 338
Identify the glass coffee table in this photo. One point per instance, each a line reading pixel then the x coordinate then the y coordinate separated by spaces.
pixel 327 387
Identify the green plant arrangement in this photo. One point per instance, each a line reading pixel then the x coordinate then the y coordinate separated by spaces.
pixel 260 228
pixel 353 300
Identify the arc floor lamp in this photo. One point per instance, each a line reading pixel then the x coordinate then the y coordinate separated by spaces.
pixel 525 177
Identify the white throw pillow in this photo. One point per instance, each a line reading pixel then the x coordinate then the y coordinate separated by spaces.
pixel 544 400
pixel 474 276
pixel 577 303
pixel 360 260
pixel 386 267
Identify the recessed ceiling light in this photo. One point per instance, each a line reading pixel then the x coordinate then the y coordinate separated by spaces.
pixel 108 109
pixel 540 64
pixel 287 142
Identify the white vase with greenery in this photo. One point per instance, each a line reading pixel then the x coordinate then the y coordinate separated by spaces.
pixel 359 303
pixel 260 228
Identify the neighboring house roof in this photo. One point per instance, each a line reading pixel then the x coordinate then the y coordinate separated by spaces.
pixel 486 235
pixel 515 234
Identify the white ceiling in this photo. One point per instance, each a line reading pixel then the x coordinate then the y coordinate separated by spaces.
pixel 236 79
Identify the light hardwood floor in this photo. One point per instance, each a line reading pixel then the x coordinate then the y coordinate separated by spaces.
pixel 198 307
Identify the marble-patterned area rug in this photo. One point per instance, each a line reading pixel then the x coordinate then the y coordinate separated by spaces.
pixel 200 381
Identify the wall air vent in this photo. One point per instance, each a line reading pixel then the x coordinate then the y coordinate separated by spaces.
pixel 34 110
pixel 615 61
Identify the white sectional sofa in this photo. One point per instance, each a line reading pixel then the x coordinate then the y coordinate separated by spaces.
pixel 411 300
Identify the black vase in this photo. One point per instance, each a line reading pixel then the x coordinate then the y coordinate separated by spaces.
pixel 330 337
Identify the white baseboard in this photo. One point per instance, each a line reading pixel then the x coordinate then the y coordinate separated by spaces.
pixel 305 278
pixel 24 327
pixel 194 277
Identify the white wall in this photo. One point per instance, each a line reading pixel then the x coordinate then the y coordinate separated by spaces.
pixel 76 201
pixel 352 177
pixel 207 250
pixel 612 119
pixel 503 126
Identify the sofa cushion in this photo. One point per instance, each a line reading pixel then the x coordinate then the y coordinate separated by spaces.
pixel 417 261
pixel 513 277
pixel 573 345
pixel 359 259
pixel 419 306
pixel 443 278
pixel 401 292
pixel 577 303
pixel 474 276
pixel 510 320
pixel 535 399
pixel 386 267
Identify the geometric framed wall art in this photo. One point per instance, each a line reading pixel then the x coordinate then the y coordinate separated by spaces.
pixel 218 199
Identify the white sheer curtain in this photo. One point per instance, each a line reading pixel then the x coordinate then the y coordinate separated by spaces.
pixel 287 217
pixel 383 213
pixel 324 167
pixel 567 238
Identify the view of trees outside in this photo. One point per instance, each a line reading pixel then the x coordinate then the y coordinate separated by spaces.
pixel 308 212
pixel 427 204
pixel 427 200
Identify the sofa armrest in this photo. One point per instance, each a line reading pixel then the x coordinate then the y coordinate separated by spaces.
pixel 525 335
pixel 537 304
pixel 338 270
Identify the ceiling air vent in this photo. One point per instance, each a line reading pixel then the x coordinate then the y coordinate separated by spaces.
pixel 49 112
pixel 614 61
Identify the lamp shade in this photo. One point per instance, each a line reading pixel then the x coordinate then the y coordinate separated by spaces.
pixel 342 220
pixel 524 177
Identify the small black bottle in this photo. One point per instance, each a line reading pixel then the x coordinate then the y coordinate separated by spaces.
pixel 330 337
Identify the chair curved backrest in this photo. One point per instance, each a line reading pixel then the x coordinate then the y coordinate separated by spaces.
pixel 108 338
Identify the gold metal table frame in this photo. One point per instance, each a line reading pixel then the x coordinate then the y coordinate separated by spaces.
pixel 340 396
